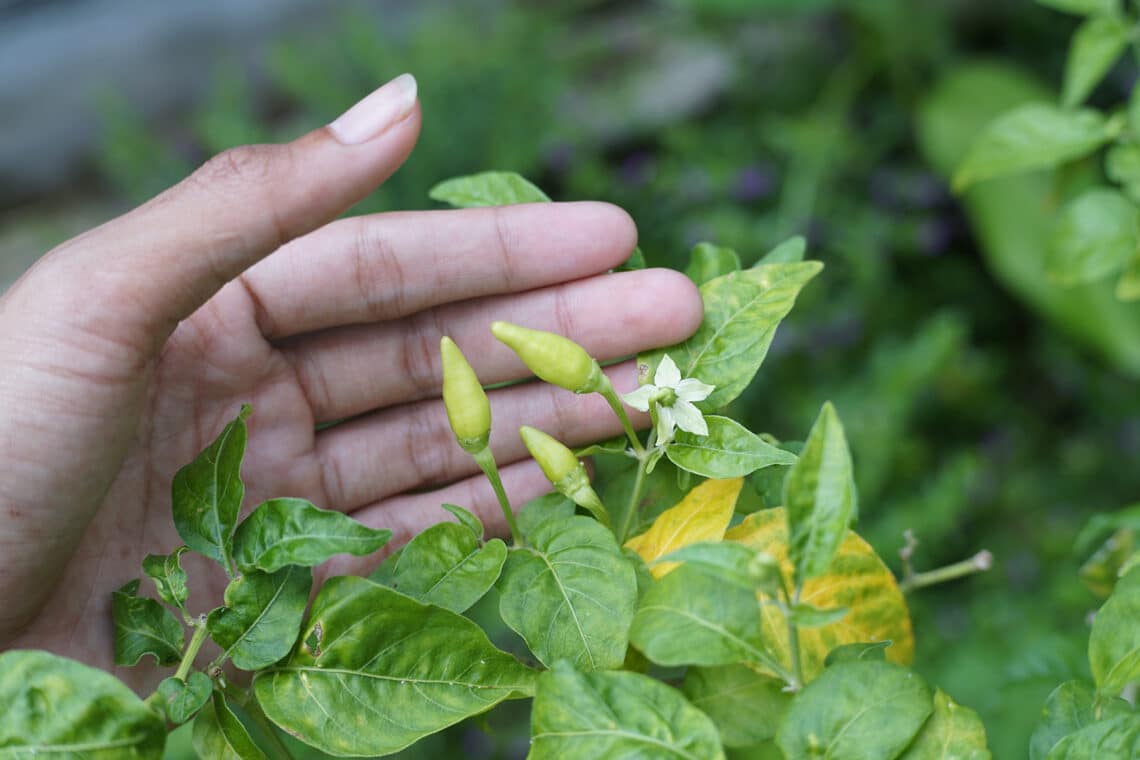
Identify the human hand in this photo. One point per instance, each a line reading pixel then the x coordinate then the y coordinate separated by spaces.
pixel 127 349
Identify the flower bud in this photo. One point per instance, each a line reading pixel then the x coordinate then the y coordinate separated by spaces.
pixel 564 471
pixel 553 358
pixel 466 403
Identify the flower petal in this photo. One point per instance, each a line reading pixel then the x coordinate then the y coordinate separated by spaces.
pixel 664 425
pixel 639 399
pixel 667 373
pixel 689 418
pixel 692 389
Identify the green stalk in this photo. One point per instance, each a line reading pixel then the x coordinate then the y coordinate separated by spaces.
pixel 188 657
pixel 486 461
pixel 191 652
pixel 611 397
pixel 638 487
pixel 794 642
pixel 979 563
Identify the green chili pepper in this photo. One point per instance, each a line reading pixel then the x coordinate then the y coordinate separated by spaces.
pixel 564 471
pixel 553 358
pixel 468 410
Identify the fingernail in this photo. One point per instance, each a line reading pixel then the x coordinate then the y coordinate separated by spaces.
pixel 375 113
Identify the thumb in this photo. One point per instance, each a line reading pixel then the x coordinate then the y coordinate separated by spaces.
pixel 157 264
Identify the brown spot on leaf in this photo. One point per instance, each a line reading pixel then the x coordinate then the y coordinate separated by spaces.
pixel 313 642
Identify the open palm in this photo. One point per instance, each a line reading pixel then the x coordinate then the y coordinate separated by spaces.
pixel 126 350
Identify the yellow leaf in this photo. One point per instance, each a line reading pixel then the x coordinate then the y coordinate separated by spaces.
pixel 702 515
pixel 857 579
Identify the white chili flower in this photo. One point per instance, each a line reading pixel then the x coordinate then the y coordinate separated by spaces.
pixel 673 400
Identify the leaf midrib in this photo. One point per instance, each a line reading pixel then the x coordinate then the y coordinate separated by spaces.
pixel 308 669
pixel 264 611
pixel 566 598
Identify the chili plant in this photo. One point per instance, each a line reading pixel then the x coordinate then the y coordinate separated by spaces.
pixel 667 616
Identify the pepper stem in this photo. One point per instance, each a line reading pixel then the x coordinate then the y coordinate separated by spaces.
pixel 979 563
pixel 486 461
pixel 610 395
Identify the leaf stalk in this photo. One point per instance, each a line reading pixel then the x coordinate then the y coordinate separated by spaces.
pixel 192 648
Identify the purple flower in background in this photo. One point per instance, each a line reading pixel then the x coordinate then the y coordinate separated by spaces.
pixel 559 157
pixel 638 168
pixel 753 183
pixel 934 236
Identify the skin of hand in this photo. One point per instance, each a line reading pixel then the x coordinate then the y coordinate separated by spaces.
pixel 126 350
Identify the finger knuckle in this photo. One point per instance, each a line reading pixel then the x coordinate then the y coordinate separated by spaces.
pixel 241 166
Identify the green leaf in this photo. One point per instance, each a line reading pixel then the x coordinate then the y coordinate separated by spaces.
pixel 1103 568
pixel 208 493
pixel 746 706
pixel 168 576
pixel 487 189
pixel 635 262
pixel 1032 136
pixel 1083 7
pixel 375 670
pixel 1122 166
pixel 1068 709
pixel 1095 235
pixel 219 735
pixel 1128 286
pixel 181 699
pixel 385 572
pixel 142 627
pixel 952 733
pixel 708 261
pixel 448 566
pixel 616 715
pixel 617 445
pixel 284 532
pixel 730 450
pixel 692 617
pixel 570 593
pixel 552 506
pixel 742 312
pixel 466 519
pixel 820 496
pixel 1096 45
pixel 59 708
pixel 787 252
pixel 732 562
pixel 1117 737
pixel 805 615
pixel 1114 644
pixel 871 650
pixel 855 711
pixel 262 615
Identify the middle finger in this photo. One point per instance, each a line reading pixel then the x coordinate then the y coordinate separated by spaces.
pixel 351 370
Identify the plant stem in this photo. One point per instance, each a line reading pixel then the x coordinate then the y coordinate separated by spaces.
pixel 614 401
pixel 638 489
pixel 246 701
pixel 486 461
pixel 794 639
pixel 191 652
pixel 979 563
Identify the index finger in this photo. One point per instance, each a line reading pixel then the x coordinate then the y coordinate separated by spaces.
pixel 385 266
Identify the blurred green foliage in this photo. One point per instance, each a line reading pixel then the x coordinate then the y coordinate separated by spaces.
pixel 977 416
